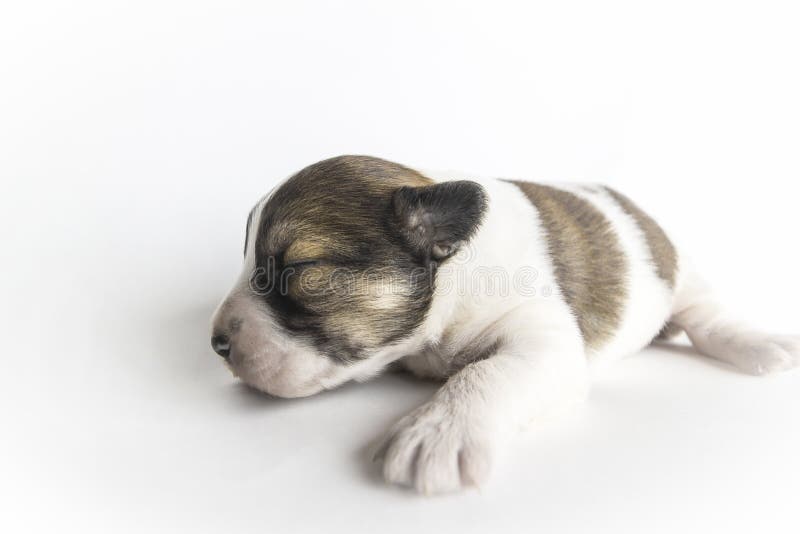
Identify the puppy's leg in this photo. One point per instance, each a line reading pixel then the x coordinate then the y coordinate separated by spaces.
pixel 714 333
pixel 448 443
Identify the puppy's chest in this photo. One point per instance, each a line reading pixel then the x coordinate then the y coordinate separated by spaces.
pixel 448 357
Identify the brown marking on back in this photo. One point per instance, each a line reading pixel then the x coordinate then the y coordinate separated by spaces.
pixel 662 251
pixel 590 265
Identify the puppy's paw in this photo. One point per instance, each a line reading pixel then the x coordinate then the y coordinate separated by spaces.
pixel 761 354
pixel 436 450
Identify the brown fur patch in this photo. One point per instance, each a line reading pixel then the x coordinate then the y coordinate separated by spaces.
pixel 662 251
pixel 353 292
pixel 324 205
pixel 590 266
pixel 304 251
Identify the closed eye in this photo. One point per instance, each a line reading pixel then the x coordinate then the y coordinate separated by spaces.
pixel 300 264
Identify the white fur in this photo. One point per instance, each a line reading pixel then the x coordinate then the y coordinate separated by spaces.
pixel 649 297
pixel 541 365
pixel 448 443
pixel 715 333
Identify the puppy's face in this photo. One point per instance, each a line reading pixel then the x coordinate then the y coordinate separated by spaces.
pixel 340 263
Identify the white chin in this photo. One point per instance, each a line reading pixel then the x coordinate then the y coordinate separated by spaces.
pixel 278 388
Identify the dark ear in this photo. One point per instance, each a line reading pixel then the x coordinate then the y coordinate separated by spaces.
pixel 435 220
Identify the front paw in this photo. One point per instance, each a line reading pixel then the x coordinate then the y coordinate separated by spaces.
pixel 436 449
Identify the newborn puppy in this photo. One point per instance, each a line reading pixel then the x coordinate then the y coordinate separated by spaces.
pixel 507 290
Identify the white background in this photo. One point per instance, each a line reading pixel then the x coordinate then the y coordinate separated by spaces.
pixel 135 137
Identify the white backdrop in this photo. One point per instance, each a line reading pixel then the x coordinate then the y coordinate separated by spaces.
pixel 135 137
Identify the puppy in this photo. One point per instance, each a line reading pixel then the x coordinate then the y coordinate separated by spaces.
pixel 507 290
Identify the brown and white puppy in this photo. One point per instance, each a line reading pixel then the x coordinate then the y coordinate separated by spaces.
pixel 507 290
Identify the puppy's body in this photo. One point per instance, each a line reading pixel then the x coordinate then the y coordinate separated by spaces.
pixel 617 312
pixel 508 290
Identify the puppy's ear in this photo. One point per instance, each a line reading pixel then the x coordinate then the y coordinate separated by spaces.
pixel 435 220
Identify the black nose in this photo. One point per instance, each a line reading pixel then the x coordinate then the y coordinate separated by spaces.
pixel 221 345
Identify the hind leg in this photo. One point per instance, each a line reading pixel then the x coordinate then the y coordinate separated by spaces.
pixel 717 335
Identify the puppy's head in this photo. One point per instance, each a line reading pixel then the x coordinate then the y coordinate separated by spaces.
pixel 340 263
